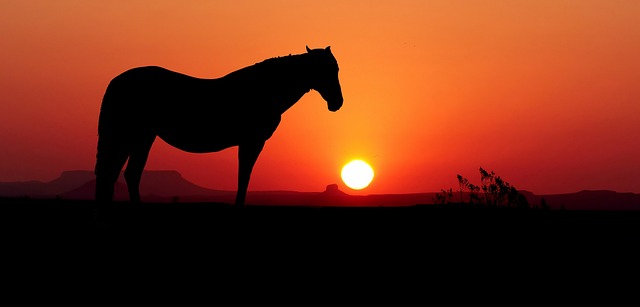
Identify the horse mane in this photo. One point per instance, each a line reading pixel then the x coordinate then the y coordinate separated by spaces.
pixel 280 60
pixel 271 64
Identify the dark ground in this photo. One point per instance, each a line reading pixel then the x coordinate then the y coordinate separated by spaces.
pixel 326 247
pixel 384 225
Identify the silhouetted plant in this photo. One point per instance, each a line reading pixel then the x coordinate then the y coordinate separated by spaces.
pixel 445 198
pixel 474 198
pixel 464 183
pixel 543 204
pixel 472 189
pixel 496 192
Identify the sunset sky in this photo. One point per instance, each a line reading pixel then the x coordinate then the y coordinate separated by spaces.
pixel 544 93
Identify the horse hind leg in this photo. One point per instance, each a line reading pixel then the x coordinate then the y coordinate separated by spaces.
pixel 137 160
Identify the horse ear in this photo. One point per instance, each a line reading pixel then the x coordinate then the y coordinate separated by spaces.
pixel 308 50
pixel 328 48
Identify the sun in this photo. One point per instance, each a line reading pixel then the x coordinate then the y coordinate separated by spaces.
pixel 357 174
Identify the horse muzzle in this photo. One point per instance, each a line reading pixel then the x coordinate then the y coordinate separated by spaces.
pixel 336 105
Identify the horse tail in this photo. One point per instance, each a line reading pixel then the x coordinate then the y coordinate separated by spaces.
pixel 111 150
pixel 103 132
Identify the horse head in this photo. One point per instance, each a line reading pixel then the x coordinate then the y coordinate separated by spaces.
pixel 324 69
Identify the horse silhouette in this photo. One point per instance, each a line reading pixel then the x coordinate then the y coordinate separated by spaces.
pixel 197 115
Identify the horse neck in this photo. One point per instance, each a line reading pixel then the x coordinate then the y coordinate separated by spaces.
pixel 284 80
pixel 290 81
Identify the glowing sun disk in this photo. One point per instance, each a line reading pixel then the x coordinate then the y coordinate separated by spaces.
pixel 357 174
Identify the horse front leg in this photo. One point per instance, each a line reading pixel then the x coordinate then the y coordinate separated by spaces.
pixel 247 156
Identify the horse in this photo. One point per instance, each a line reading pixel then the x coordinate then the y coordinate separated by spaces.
pixel 242 108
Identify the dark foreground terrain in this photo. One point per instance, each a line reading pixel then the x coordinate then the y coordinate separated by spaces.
pixel 384 225
pixel 173 243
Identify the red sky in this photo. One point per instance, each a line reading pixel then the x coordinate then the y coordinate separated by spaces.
pixel 544 93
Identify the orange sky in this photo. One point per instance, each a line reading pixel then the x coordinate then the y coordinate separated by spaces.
pixel 544 93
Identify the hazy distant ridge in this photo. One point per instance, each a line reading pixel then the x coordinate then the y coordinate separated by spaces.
pixel 170 186
pixel 67 181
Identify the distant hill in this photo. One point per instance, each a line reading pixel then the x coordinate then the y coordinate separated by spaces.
pixel 332 196
pixel 170 186
pixel 156 186
pixel 80 184
pixel 591 200
pixel 67 181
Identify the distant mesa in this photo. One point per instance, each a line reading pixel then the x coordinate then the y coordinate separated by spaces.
pixel 67 181
pixel 80 185
pixel 87 190
pixel 333 190
pixel 157 186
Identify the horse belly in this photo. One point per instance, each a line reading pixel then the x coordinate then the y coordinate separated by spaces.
pixel 199 138
pixel 210 135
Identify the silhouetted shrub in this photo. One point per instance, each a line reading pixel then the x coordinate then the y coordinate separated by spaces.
pixel 445 198
pixel 495 192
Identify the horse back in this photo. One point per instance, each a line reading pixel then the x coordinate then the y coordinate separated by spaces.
pixel 193 114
